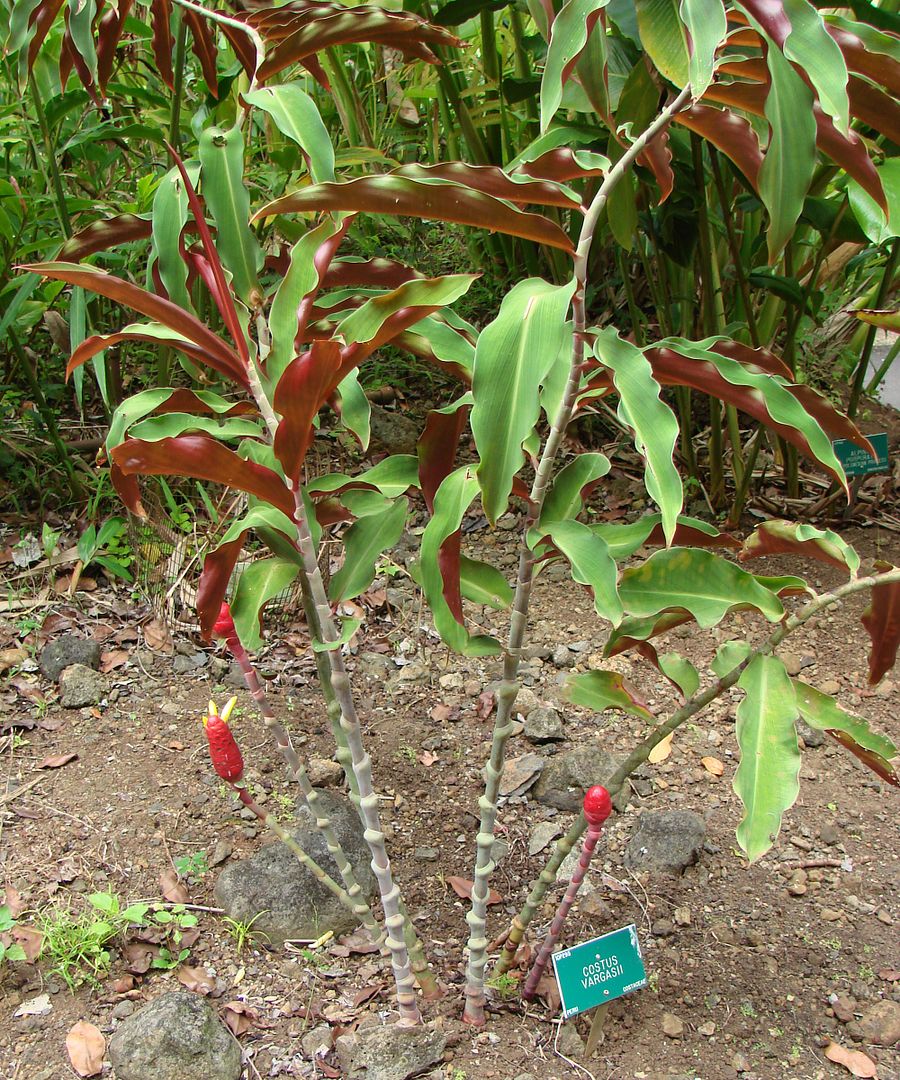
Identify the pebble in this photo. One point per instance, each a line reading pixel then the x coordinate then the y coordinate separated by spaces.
pixel 426 854
pixel 123 1009
pixel 323 772
pixel 741 1063
pixel 672 1025
pixel 662 928
pixel 880 1023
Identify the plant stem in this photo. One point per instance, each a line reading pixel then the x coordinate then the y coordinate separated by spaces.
pixel 509 687
pixel 178 92
pixel 642 751
pixel 884 288
pixel 52 163
pixel 361 762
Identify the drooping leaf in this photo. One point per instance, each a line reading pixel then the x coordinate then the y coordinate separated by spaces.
pixel 599 690
pixel 296 116
pixel 172 424
pixel 228 201
pixel 212 588
pixel 364 324
pixel 571 486
pixel 591 563
pixel 882 622
pixel 168 221
pixel 569 34
pixel 781 537
pixel 302 390
pixel 349 626
pixel 730 133
pixel 707 27
pixel 822 712
pixel 728 655
pixel 153 332
pixel 437 447
pixel 664 36
pixel 517 188
pixel 767 779
pixel 392 476
pixel 633 633
pixel 652 421
pixel 105 234
pixel 513 357
pixel 363 544
pixel 705 584
pixel 624 540
pixel 440 201
pixel 871 217
pixel 886 320
pixel 681 672
pixel 354 407
pixel 483 584
pixel 203 458
pixel 261 582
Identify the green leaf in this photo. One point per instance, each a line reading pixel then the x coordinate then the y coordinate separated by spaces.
pixel 823 713
pixel 566 497
pixel 228 201
pixel 170 212
pixel 301 279
pixel 591 564
pixel 296 116
pixel 513 356
pixel 363 324
pixel 681 672
pixel 811 47
pixel 624 540
pixel 348 629
pixel 81 30
pixel 868 213
pixel 261 582
pixel 787 169
pixel 652 421
pixel 787 537
pixel 260 516
pixel 451 501
pixel 728 655
pixel 599 690
pixel 176 423
pixel 356 412
pixel 568 37
pixel 364 543
pixel 664 38
pixel 707 26
pixel 391 476
pixel 484 584
pixel 697 580
pixel 767 779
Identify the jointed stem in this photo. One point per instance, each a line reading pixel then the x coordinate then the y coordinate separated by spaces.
pixel 506 694
pixel 642 751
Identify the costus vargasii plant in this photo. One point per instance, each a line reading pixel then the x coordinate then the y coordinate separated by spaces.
pixel 291 330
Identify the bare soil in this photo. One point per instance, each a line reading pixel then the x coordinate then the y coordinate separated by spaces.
pixel 746 966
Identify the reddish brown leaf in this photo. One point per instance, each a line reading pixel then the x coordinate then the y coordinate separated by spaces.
pixel 162 43
pixel 402 197
pixel 854 1061
pixel 779 538
pixel 227 361
pixel 157 636
pixel 882 621
pixel 427 758
pixel 26 688
pixel 368 273
pixel 307 383
pixel 109 661
pixel 366 994
pixel 495 182
pixel 486 704
pixel 658 158
pixel 877 66
pixel 86 1046
pixel 31 941
pixel 560 165
pixel 198 980
pixel 172 889
pixel 139 956
pixel 239 1018
pixel 204 47
pixel 109 34
pixel 212 587
pixel 203 458
pixel 690 536
pixel 12 899
pixel 889 974
pixel 463 888
pixel 548 991
pixel 104 234
pixel 728 132
pixel 10 658
pixel 56 761
pixel 879 765
pixel 713 765
pixel 124 984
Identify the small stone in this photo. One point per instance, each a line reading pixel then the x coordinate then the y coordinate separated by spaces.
pixel 451 681
pixel 831 914
pixel 880 1023
pixel 667 840
pixel 66 651
pixel 672 1025
pixel 426 854
pixel 317 1041
pixel 80 686
pixel 662 928
pixel 526 700
pixel 707 1029
pixel 843 1007
pixel 568 775
pixel 741 1063
pixel 544 725
pixel 542 834
pixel 389 1052
pixel 324 772
pixel 829 834
pixel 178 1036
pixel 682 916
pixel 220 852
pixel 830 687
pixel 811 736
pixel 562 656
pixel 793 665
pixel 184 665
pixel 570 1043
pixel 519 774
pixel 123 1009
pixel 884 916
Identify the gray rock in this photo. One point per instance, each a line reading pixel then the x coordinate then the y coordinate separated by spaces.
pixel 667 840
pixel 810 735
pixel 65 651
pixel 290 902
pixel 80 686
pixel 184 665
pixel 562 656
pixel 544 725
pixel 880 1023
pixel 392 431
pixel 389 1052
pixel 567 776
pixel 542 834
pixel 176 1037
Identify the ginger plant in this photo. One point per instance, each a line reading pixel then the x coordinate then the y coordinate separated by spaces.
pixel 298 324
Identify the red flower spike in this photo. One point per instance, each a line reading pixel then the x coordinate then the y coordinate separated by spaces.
pixel 224 627
pixel 597 805
pixel 223 750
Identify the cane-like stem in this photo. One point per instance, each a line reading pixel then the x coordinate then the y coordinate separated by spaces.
pixel 642 751
pixel 361 763
pixel 597 808
pixel 506 694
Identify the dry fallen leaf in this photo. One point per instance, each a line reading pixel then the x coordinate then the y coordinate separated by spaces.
pixel 172 889
pixel 12 899
pixel 157 636
pixel 124 984
pixel 713 765
pixel 86 1047
pixel 855 1061
pixel 889 974
pixel 36 1006
pixel 486 702
pixel 428 758
pixel 56 761
pixel 662 750
pixel 463 888
pixel 196 979
pixel 30 940
pixel 113 659
pixel 239 1017
pixel 10 658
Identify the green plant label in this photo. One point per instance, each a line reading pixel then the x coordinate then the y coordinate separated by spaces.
pixel 858 462
pixel 598 971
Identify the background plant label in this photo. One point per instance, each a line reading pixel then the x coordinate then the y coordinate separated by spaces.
pixel 598 971
pixel 858 462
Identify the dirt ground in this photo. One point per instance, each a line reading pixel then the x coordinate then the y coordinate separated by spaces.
pixel 748 968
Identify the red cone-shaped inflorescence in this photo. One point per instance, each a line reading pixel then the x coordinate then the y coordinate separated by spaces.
pixel 224 626
pixel 597 804
pixel 223 750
